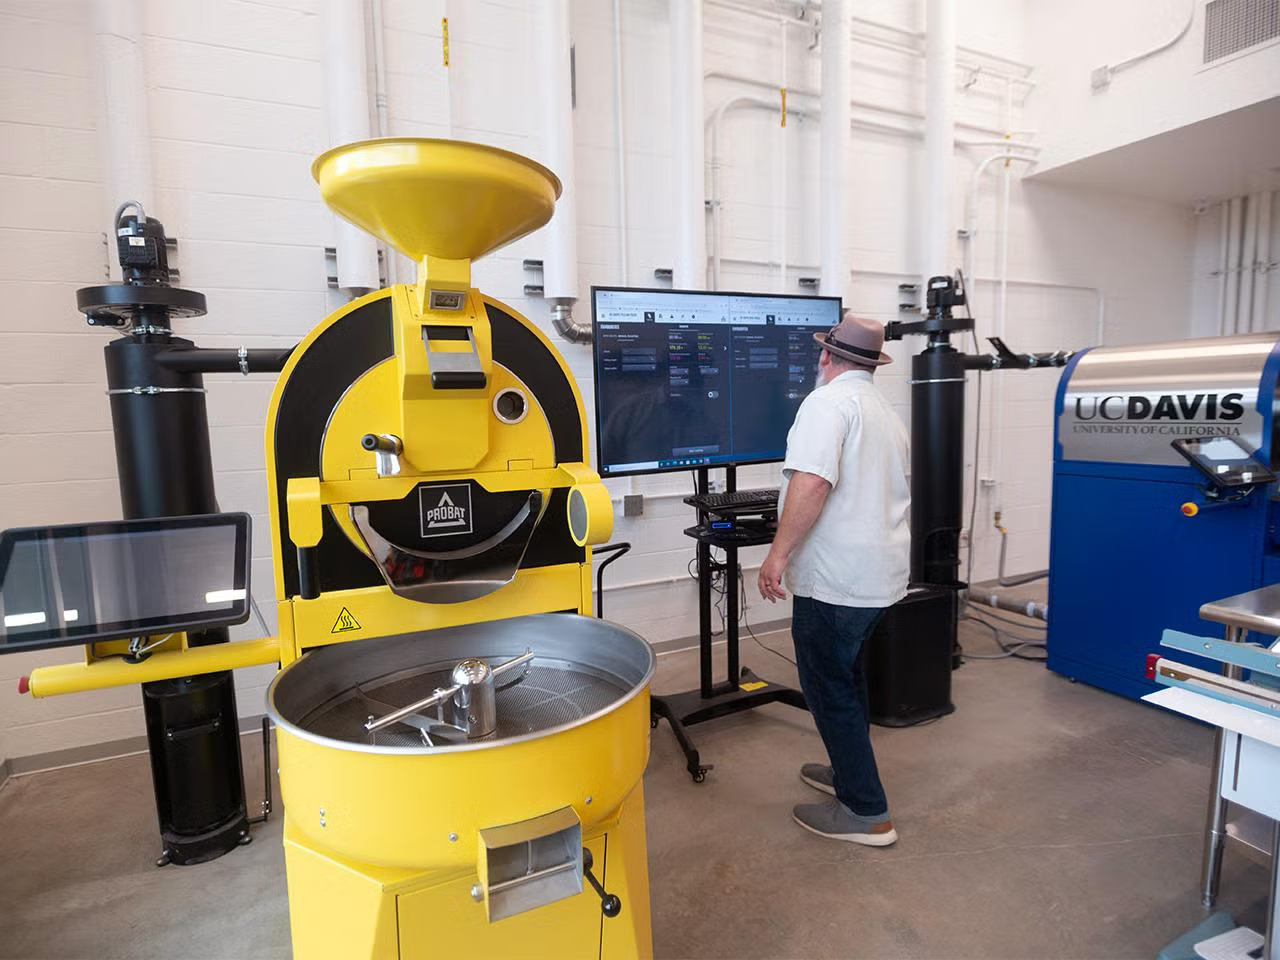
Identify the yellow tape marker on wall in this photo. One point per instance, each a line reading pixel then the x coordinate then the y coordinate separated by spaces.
pixel 444 38
pixel 783 91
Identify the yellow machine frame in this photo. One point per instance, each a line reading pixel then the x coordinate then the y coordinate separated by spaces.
pixel 375 611
pixel 350 819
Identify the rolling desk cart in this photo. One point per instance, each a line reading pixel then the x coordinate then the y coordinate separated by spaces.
pixel 741 689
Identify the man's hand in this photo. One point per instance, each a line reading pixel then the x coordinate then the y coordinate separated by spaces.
pixel 770 580
pixel 805 497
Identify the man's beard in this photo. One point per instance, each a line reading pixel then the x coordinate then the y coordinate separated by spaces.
pixel 819 379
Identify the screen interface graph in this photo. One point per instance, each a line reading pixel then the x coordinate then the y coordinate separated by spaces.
pixel 699 379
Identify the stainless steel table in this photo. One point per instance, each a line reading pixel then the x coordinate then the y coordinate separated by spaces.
pixel 1259 611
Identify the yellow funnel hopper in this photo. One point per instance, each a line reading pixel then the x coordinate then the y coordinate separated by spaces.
pixel 443 199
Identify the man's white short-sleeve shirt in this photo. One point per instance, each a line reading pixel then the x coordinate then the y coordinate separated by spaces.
pixel 858 552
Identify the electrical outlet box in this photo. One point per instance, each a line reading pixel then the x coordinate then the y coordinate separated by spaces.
pixel 633 505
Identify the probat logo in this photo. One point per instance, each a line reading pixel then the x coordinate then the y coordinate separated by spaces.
pixel 1198 407
pixel 446 509
pixel 446 514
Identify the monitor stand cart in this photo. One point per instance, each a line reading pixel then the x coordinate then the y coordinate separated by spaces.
pixel 742 689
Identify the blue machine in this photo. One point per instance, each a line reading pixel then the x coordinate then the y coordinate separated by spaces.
pixel 1141 535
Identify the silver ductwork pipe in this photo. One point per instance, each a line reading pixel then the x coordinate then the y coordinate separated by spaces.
pixel 981 596
pixel 565 325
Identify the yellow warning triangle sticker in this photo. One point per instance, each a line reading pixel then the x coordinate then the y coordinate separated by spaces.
pixel 345 622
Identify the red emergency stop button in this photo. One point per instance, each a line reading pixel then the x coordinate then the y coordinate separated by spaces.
pixel 1190 509
pixel 24 684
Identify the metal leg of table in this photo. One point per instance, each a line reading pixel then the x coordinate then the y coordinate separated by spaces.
pixel 1215 831
pixel 1272 951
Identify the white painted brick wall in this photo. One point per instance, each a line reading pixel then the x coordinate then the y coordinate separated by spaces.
pixel 234 93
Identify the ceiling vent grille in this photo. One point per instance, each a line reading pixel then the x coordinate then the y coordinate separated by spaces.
pixel 1234 25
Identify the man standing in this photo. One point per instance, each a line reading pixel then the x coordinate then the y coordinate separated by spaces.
pixel 844 544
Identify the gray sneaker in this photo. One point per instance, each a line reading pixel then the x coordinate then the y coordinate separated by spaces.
pixel 820 777
pixel 832 819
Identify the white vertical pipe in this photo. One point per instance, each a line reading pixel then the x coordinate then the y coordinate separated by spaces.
pixel 1100 336
pixel 971 216
pixel 782 193
pixel 1002 312
pixel 620 145
pixel 560 264
pixel 939 137
pixel 123 130
pixel 448 53
pixel 1223 217
pixel 1248 251
pixel 836 137
pixel 1261 259
pixel 1006 177
pixel 688 144
pixel 346 75
pixel 717 202
pixel 1232 274
pixel 379 68
pixel 398 268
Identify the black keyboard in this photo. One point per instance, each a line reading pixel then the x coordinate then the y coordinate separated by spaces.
pixel 738 500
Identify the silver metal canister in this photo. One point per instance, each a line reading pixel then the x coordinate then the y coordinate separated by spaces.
pixel 474 706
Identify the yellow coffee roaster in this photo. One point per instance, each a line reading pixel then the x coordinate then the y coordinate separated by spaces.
pixel 460 744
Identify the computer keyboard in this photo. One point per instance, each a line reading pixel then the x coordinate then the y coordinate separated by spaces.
pixel 737 500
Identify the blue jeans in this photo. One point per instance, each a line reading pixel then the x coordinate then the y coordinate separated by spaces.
pixel 828 639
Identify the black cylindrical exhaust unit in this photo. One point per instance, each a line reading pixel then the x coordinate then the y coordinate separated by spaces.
pixel 937 433
pixel 937 463
pixel 165 469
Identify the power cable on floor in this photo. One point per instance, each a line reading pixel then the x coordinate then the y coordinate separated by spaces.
pixel 1009 641
pixel 742 619
pixel 995 614
pixel 1007 650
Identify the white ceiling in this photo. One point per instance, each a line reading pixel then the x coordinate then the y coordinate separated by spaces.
pixel 1225 156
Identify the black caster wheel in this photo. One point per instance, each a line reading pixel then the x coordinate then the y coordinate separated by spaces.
pixel 698 775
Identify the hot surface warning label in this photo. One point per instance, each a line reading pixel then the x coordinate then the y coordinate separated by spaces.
pixel 345 622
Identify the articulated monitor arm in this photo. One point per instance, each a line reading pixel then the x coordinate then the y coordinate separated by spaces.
pixel 1006 359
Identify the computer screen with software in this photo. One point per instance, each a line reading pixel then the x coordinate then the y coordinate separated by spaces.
pixel 687 379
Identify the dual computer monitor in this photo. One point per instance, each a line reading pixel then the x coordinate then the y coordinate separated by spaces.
pixel 689 379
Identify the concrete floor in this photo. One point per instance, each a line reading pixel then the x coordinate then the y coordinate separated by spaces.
pixel 1042 819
